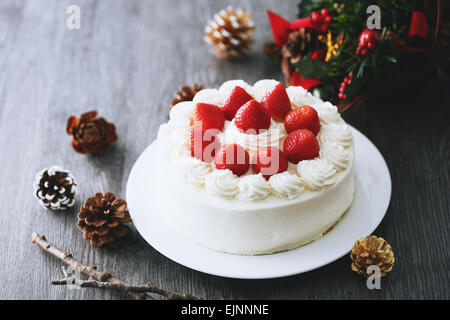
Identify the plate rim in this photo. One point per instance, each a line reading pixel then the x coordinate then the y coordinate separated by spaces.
pixel 154 244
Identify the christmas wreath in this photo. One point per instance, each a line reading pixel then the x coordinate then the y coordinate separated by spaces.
pixel 349 51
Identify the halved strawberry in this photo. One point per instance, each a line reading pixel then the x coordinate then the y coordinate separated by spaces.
pixel 210 116
pixel 304 117
pixel 269 161
pixel 204 143
pixel 252 117
pixel 277 102
pixel 233 157
pixel 234 101
pixel 301 145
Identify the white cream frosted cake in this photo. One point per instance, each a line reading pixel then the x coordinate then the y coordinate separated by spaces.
pixel 275 172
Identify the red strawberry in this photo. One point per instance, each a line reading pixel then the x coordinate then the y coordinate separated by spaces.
pixel 304 117
pixel 301 145
pixel 233 157
pixel 235 100
pixel 269 161
pixel 252 117
pixel 204 143
pixel 211 116
pixel 277 102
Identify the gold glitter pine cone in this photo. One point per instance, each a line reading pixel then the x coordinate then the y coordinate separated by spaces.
pixel 102 220
pixel 186 93
pixel 372 250
pixel 230 32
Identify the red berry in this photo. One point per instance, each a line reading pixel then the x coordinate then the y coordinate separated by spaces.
pixel 324 12
pixel 315 17
pixel 301 145
pixel 367 40
pixel 269 161
pixel 252 117
pixel 323 28
pixel 233 157
pixel 204 143
pixel 327 19
pixel 304 117
pixel 210 116
pixel 234 101
pixel 277 102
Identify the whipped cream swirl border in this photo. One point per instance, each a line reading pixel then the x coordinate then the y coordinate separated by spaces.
pixel 335 140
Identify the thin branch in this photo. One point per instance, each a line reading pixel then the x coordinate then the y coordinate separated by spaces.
pixel 98 279
pixel 149 287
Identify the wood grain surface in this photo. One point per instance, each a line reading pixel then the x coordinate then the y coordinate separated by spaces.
pixel 126 61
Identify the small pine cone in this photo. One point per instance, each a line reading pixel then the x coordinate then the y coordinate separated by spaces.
pixel 91 134
pixel 300 43
pixel 230 32
pixel 186 93
pixel 372 250
pixel 102 218
pixel 55 188
pixel 272 51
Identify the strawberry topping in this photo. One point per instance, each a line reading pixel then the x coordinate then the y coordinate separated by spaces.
pixel 233 157
pixel 277 102
pixel 204 143
pixel 269 161
pixel 252 117
pixel 210 116
pixel 301 145
pixel 304 117
pixel 237 98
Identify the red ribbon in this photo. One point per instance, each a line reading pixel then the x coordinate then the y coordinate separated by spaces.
pixel 281 28
pixel 307 83
pixel 418 26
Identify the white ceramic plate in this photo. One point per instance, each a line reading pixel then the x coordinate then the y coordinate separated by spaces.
pixel 372 196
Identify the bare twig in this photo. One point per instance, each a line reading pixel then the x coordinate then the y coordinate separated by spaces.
pixel 98 279
pixel 92 283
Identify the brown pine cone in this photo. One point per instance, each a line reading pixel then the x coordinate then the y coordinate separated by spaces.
pixel 186 93
pixel 372 250
pixel 102 218
pixel 300 43
pixel 272 51
pixel 230 32
pixel 91 134
pixel 55 188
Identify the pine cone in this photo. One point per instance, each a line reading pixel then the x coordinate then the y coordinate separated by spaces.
pixel 102 218
pixel 91 134
pixel 372 250
pixel 300 43
pixel 55 188
pixel 186 93
pixel 230 32
pixel 272 51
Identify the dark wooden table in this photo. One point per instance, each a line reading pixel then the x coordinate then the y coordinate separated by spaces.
pixel 126 61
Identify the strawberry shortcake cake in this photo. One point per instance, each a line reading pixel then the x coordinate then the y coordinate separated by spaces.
pixel 254 169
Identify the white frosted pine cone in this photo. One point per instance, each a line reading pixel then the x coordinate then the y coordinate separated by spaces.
pixel 55 188
pixel 230 32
